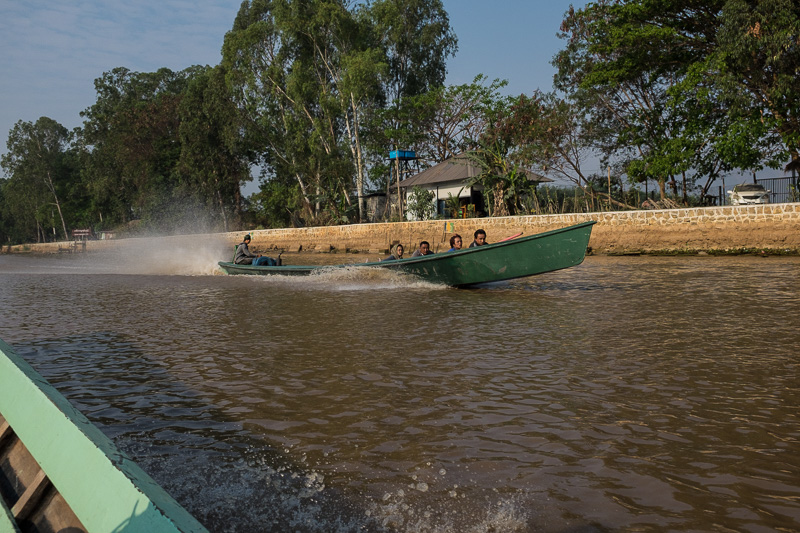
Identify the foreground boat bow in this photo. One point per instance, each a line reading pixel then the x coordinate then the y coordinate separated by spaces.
pixel 516 258
pixel 58 472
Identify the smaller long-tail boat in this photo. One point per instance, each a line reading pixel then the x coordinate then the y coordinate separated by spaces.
pixel 58 472
pixel 515 258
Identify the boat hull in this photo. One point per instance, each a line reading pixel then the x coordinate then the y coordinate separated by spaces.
pixel 517 258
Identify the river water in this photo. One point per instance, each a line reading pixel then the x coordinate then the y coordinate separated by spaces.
pixel 626 394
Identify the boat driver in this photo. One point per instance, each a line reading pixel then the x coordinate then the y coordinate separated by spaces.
pixel 245 257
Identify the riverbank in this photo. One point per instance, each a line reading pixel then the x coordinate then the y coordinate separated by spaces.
pixel 772 228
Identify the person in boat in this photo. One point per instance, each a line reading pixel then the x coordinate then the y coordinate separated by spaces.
pixel 397 253
pixel 424 249
pixel 245 257
pixel 480 238
pixel 455 243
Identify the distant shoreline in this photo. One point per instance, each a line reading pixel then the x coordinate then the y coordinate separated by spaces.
pixel 772 229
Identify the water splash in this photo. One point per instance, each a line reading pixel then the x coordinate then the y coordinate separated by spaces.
pixel 353 278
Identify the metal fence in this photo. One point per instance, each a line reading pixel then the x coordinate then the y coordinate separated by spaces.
pixel 785 189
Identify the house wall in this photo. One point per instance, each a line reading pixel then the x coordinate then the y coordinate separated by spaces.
pixel 443 193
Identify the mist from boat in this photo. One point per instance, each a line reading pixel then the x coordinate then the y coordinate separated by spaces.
pixel 198 255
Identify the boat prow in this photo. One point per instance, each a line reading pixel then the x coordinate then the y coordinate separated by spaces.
pixel 58 472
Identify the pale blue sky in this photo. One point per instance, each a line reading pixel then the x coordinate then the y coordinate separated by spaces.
pixel 52 51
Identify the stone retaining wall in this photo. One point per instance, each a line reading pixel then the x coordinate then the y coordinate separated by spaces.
pixel 772 226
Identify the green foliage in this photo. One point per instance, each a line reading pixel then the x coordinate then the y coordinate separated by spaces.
pixel 39 170
pixel 275 205
pixel 759 55
pixel 421 203
pixel 130 142
pixel 453 205
pixel 214 161
pixel 446 120
pixel 311 77
pixel 416 39
pixel 689 89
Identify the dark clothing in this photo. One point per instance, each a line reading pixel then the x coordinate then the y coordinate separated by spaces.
pixel 243 255
pixel 390 258
pixel 264 260
pixel 475 243
pixel 417 253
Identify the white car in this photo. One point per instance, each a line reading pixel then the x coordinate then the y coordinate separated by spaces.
pixel 749 194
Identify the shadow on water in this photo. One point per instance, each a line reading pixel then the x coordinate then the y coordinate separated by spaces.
pixel 225 476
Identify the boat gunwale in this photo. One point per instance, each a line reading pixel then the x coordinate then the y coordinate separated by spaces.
pixel 52 429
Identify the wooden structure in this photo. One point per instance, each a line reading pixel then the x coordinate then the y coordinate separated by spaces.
pixel 79 238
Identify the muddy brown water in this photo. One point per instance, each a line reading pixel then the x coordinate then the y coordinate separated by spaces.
pixel 626 394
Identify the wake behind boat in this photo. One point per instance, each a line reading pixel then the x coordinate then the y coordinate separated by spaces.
pixel 517 258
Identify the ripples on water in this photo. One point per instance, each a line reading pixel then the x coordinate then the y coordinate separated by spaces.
pixel 625 394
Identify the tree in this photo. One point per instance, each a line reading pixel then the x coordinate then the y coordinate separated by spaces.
pixel 689 89
pixel 449 120
pixel 214 161
pixel 421 204
pixel 759 55
pixel 622 63
pixel 130 143
pixel 504 162
pixel 35 165
pixel 286 94
pixel 416 38
pixel 551 134
pixel 310 76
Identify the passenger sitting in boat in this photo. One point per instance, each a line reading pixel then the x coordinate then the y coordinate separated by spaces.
pixel 455 243
pixel 397 253
pixel 245 257
pixel 424 249
pixel 480 238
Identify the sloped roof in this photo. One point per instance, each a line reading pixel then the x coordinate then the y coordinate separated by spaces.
pixel 455 169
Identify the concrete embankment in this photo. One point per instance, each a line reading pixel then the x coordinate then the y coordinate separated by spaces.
pixel 731 229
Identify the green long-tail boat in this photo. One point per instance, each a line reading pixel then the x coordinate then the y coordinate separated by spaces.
pixel 515 258
pixel 58 472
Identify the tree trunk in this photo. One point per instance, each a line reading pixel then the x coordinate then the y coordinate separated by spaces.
pixel 51 186
pixel 222 211
pixel 684 192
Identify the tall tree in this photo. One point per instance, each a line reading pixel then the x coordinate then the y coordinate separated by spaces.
pixel 449 120
pixel 551 134
pixel 417 40
pixel 759 54
pixel 214 161
pixel 622 62
pixel 287 96
pixel 130 142
pixel 310 76
pixel 35 165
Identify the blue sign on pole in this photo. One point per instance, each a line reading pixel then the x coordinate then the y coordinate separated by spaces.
pixel 403 155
